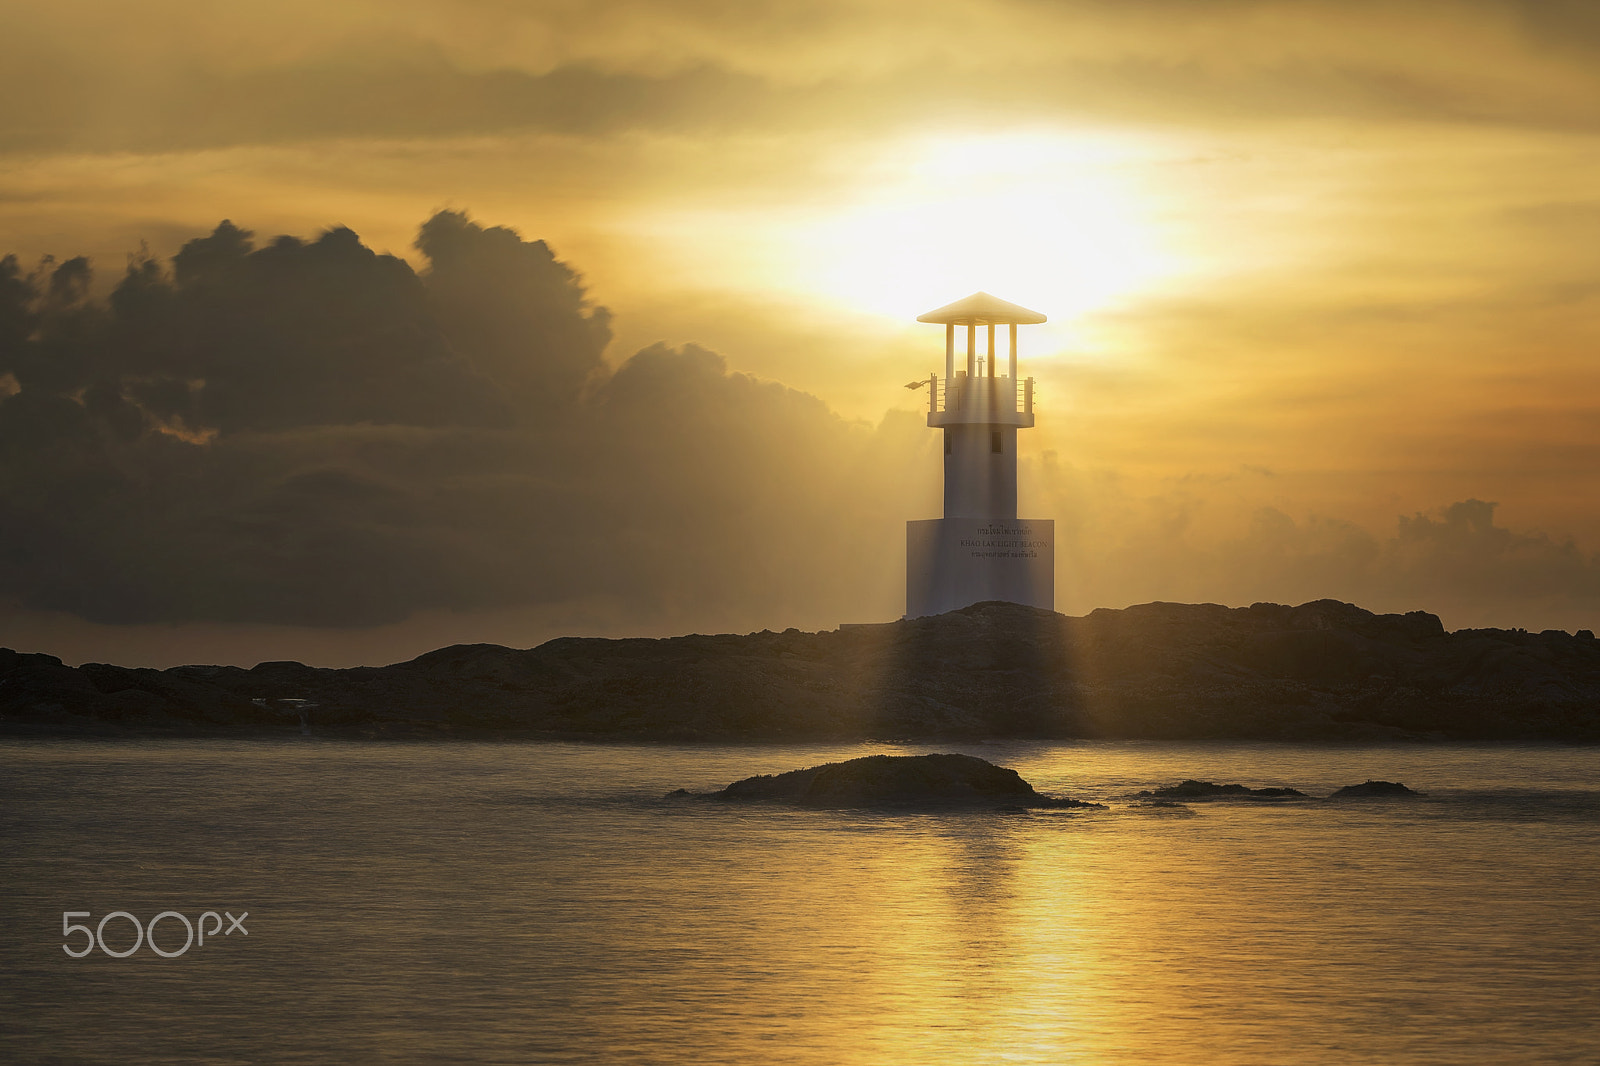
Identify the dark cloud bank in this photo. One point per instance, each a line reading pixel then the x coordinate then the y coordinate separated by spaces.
pixel 307 433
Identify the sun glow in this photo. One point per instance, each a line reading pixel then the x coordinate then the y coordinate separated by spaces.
pixel 1052 222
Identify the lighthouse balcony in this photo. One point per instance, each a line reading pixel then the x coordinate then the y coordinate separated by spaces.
pixel 964 400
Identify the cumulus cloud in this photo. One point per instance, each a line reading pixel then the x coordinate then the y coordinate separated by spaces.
pixel 1462 557
pixel 309 433
pixel 1454 561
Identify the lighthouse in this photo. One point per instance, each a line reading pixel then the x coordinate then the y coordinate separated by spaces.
pixel 980 550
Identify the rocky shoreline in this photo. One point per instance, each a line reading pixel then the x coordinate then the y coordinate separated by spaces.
pixel 1321 672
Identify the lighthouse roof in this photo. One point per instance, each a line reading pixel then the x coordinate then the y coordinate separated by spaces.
pixel 981 309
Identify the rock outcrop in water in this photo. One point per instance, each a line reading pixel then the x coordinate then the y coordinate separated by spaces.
pixel 895 781
pixel 1323 671
pixel 1375 789
pixel 1192 789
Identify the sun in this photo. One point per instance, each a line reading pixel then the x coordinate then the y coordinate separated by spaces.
pixel 1066 222
pixel 1047 220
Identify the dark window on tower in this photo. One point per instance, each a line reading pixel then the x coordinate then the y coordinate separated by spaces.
pixel 994 442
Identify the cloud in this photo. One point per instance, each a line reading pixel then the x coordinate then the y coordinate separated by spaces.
pixel 167 76
pixel 518 313
pixel 308 433
pixel 1455 561
pixel 1461 555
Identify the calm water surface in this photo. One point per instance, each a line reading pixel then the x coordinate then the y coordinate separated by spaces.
pixel 540 903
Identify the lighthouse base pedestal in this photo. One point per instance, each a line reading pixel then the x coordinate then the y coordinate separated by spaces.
pixel 954 562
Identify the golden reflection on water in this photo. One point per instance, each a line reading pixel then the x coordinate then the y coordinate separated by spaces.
pixel 476 903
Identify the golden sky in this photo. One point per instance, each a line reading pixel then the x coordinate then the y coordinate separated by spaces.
pixel 1319 273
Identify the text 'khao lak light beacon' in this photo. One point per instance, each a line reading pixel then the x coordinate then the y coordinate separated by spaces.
pixel 980 550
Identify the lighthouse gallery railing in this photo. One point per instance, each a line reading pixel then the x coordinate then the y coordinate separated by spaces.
pixel 963 394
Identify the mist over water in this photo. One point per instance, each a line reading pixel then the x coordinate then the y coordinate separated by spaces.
pixel 540 903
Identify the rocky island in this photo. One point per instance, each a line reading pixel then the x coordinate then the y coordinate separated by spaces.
pixel 1376 790
pixel 893 781
pixel 1323 671
pixel 1201 790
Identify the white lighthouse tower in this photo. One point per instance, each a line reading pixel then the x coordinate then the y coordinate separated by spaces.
pixel 980 550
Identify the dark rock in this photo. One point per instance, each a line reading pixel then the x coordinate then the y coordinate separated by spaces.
pixel 896 781
pixel 1322 672
pixel 1166 808
pixel 1192 789
pixel 1375 788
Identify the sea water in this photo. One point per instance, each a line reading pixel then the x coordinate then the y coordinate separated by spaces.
pixel 542 903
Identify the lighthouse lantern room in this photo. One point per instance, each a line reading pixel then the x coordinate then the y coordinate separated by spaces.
pixel 980 550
